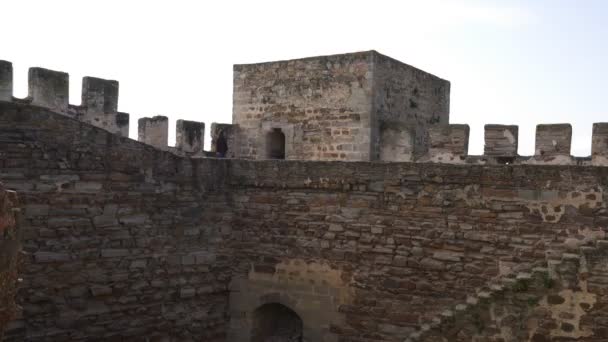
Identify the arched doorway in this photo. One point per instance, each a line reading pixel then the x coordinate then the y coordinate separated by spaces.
pixel 276 323
pixel 275 144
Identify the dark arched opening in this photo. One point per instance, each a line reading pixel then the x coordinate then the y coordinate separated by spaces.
pixel 276 323
pixel 275 144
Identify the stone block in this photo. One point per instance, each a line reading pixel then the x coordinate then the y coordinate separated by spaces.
pixel 88 186
pixel 187 292
pixel 138 264
pixel 448 256
pixel 154 131
pixel 449 143
pixel 599 143
pixel 134 220
pixel 100 290
pixel 36 210
pixel 6 81
pixel 100 105
pixel 49 89
pixel 204 257
pixel 377 230
pixel 50 257
pixel 114 253
pixel 102 221
pixel 190 136
pixel 333 227
pixel 65 222
pixel 500 140
pixel 432 264
pixel 553 139
pixel 188 260
pixel 99 96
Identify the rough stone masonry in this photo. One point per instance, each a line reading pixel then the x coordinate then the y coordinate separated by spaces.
pixel 9 256
pixel 378 227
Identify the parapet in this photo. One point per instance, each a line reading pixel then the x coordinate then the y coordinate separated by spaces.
pixel 223 140
pixel 100 105
pixel 500 141
pixel 448 143
pixel 50 89
pixel 599 143
pixel 154 131
pixel 190 136
pixel 553 140
pixel 6 81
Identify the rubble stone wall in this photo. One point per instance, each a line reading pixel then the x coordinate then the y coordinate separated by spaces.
pixel 117 240
pixel 128 241
pixel 403 242
pixel 321 104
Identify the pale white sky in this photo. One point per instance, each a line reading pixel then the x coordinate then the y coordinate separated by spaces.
pixel 518 62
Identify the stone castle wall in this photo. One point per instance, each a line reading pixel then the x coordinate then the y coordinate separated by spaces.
pixel 403 242
pixel 117 238
pixel 126 240
pixel 99 107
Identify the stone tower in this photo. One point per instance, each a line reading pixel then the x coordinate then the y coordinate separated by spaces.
pixel 360 106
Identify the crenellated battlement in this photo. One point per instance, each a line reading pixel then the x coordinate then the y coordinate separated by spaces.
pixel 6 81
pixel 379 216
pixel 189 135
pixel 449 144
pixel 99 107
pixel 50 89
pixel 260 136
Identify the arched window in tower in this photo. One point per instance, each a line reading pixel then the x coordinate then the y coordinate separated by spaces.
pixel 276 323
pixel 275 144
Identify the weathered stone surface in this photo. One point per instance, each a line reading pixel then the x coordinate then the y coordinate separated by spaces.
pixel 599 143
pixel 334 107
pixel 500 140
pixel 223 140
pixel 113 253
pixel 44 257
pixel 6 81
pixel 100 105
pixel 189 136
pixel 154 131
pixel 9 256
pixel 49 89
pixel 553 139
pixel 129 242
pixel 448 144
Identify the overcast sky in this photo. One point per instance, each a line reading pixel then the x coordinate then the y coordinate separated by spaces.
pixel 518 62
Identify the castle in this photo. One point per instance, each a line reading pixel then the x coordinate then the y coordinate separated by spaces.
pixel 339 205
